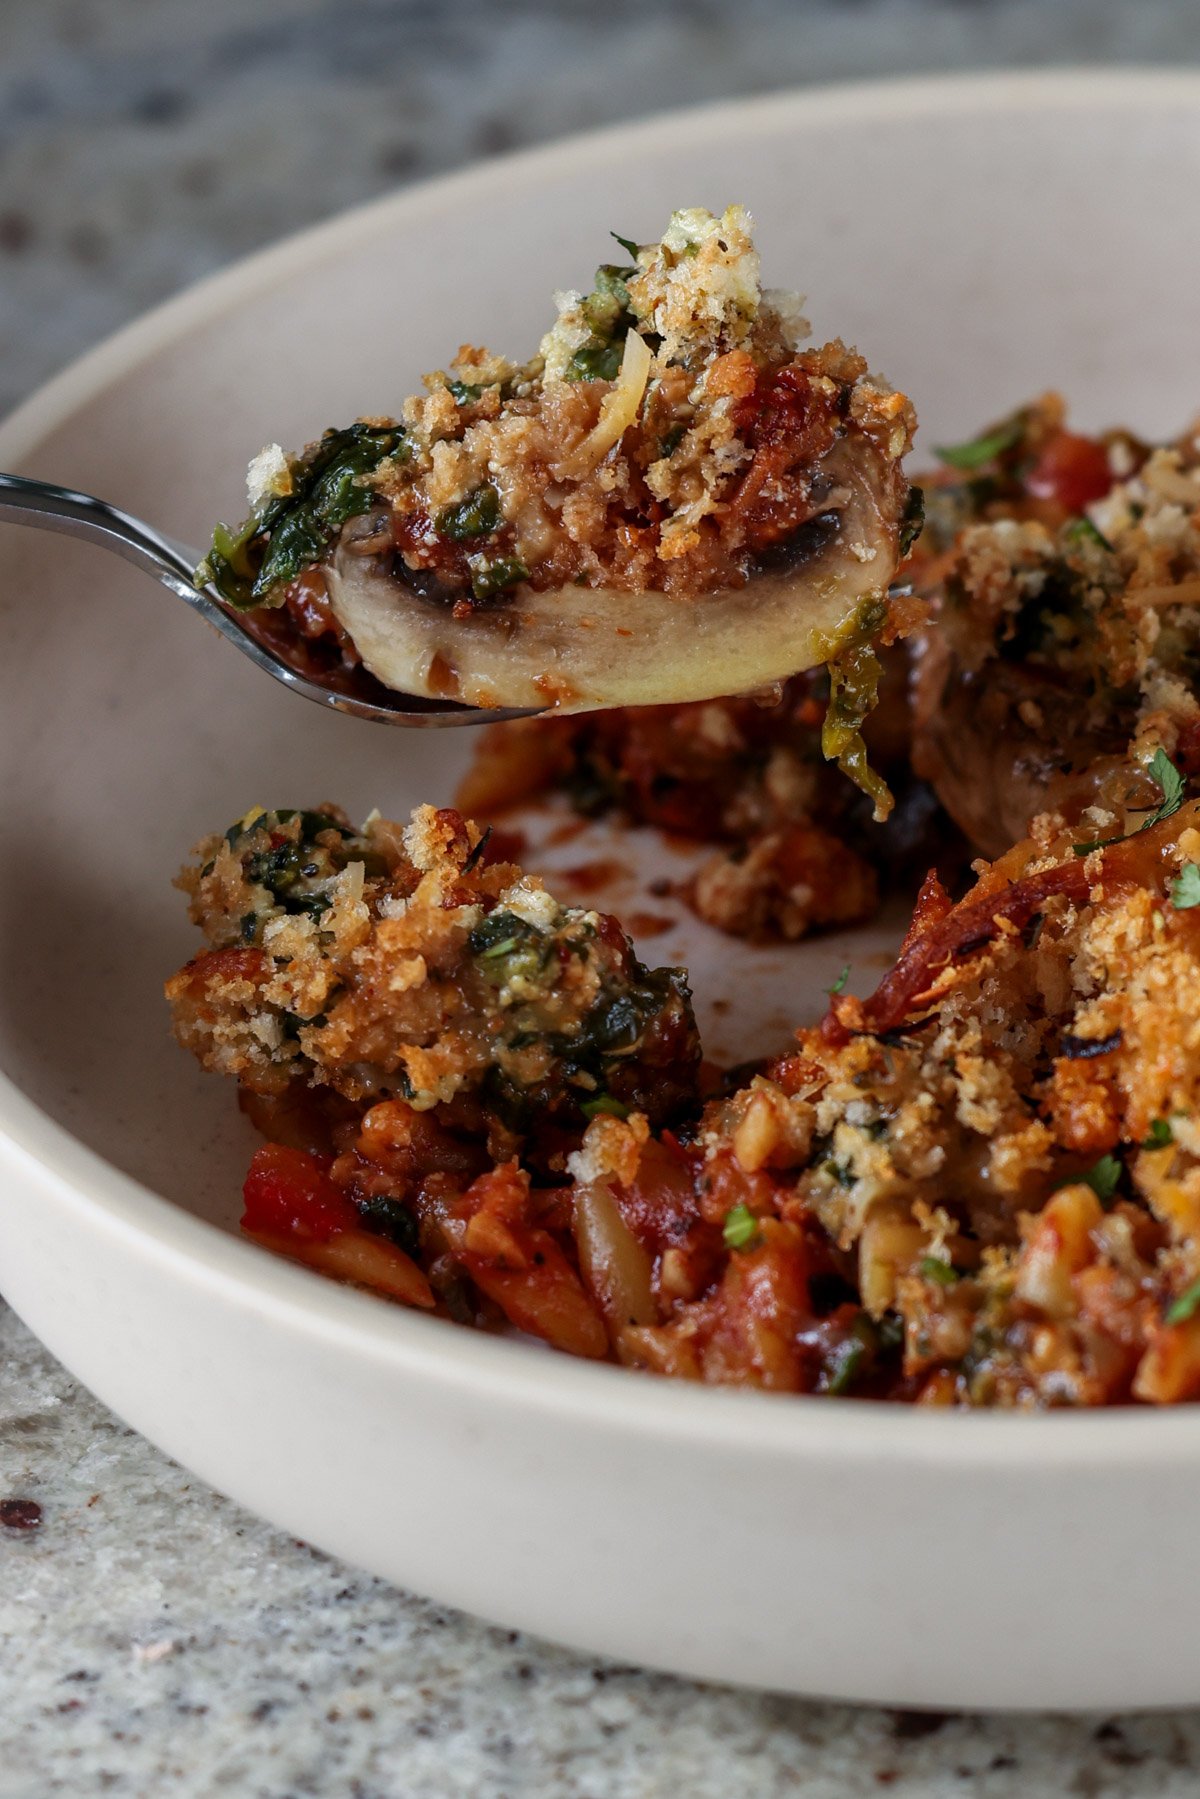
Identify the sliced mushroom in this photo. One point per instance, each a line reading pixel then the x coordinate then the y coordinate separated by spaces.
pixel 577 648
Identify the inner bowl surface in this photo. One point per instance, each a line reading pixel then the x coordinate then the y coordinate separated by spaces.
pixel 981 240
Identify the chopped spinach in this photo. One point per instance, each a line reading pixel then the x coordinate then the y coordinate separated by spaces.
pixel 287 533
pixel 912 520
pixel 606 308
pixel 475 516
pixel 509 949
pixel 596 362
pixel 497 934
pixel 491 578
pixel 390 1218
pixel 609 319
pixel 289 867
pixel 312 905
pixel 854 678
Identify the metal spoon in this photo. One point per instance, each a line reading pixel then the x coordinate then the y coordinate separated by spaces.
pixel 26 502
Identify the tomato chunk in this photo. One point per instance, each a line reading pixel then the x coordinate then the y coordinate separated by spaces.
pixel 288 1192
pixel 1072 470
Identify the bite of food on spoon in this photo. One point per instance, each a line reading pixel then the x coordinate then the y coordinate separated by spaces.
pixel 670 501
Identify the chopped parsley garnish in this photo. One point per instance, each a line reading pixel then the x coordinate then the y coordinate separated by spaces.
pixel 839 986
pixel 1185 1306
pixel 604 1104
pixel 1082 530
pixel 1104 1177
pixel 1171 785
pixel 859 1353
pixel 1185 888
pixel 980 450
pixel 1161 1135
pixel 627 244
pixel 741 1227
pixel 936 1268
pixel 847 1361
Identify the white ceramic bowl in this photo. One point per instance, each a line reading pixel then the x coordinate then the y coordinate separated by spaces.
pixel 981 239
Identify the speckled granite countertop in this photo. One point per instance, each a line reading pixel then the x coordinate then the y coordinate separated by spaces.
pixel 153 1639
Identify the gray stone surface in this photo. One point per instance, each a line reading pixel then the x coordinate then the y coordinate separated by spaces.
pixel 154 1639
pixel 144 142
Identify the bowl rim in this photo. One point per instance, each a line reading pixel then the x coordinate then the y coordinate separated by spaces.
pixel 183 1246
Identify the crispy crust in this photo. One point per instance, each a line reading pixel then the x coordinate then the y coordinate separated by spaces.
pixel 979 1186
pixel 669 435
pixel 401 962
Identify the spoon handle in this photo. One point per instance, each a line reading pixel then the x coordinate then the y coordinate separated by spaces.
pixel 27 502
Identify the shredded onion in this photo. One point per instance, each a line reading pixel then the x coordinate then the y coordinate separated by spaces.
pixel 618 410
pixel 615 1267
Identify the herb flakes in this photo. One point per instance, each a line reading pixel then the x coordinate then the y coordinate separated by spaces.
pixel 1104 1177
pixel 1184 1306
pixel 605 1105
pixel 740 1227
pixel 1185 888
pixel 980 450
pixel 1170 783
